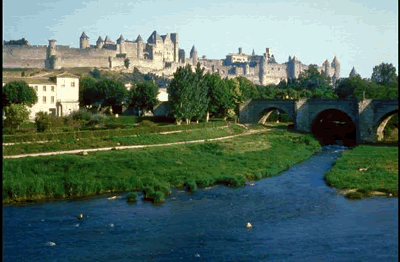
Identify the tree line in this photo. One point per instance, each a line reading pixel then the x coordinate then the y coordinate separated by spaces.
pixel 195 94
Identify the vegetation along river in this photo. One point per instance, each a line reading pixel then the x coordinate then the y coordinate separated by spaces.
pixel 295 217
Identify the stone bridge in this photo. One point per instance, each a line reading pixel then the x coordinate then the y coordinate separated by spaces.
pixel 369 116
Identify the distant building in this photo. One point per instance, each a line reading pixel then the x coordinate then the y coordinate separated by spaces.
pixel 58 98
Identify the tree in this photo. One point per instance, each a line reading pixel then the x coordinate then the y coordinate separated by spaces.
pixel 312 79
pixel 87 87
pixel 144 96
pixel 16 115
pixel 385 74
pixel 126 63
pixel 19 92
pixel 188 94
pixel 105 94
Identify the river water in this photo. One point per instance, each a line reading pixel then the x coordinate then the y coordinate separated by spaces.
pixel 295 217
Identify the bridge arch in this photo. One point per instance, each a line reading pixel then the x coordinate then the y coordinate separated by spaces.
pixel 334 126
pixel 382 123
pixel 267 112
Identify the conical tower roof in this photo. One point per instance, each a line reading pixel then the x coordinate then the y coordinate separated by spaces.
pixel 154 37
pixel 139 39
pixel 84 36
pixel 353 73
pixel 100 39
pixel 193 49
pixel 253 52
pixel 107 39
pixel 120 39
pixel 326 62
pixel 335 61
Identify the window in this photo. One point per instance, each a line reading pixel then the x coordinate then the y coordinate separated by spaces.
pixel 52 88
pixel 44 88
pixel 36 88
pixel 72 84
pixel 52 99
pixel 44 100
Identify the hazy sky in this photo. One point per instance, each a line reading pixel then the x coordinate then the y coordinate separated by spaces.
pixel 360 33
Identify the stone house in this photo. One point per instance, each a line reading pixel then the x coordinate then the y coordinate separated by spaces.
pixel 58 98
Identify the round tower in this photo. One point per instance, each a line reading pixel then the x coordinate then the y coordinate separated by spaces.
pixel 51 55
pixel 336 65
pixel 193 55
pixel 84 41
pixel 140 47
pixel 100 43
pixel 263 69
pixel 121 43
pixel 327 67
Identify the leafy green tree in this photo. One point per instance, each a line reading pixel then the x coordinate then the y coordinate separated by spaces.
pixel 179 92
pixel 19 92
pixel 126 63
pixel 42 121
pixel 87 87
pixel 312 79
pixel 385 74
pixel 105 94
pixel 198 97
pixel 16 115
pixel 188 94
pixel 144 96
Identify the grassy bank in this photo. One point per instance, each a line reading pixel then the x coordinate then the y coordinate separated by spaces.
pixel 366 169
pixel 156 170
pixel 70 143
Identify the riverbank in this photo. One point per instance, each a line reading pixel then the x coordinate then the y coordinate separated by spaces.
pixel 230 162
pixel 366 170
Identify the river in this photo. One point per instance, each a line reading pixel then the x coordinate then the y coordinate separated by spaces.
pixel 295 217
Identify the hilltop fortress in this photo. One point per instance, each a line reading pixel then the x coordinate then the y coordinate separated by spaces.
pixel 160 55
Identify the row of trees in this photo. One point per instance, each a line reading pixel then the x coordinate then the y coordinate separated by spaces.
pixel 109 93
pixel 194 94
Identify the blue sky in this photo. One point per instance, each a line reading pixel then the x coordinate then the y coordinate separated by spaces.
pixel 360 33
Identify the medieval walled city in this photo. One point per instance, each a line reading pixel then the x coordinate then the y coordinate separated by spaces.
pixel 160 55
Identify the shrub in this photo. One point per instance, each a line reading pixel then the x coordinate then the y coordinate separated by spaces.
pixel 16 115
pixel 42 121
pixel 82 116
pixel 131 197
pixel 147 123
pixel 191 185
pixel 97 119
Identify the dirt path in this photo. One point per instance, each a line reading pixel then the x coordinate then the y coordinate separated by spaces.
pixel 86 151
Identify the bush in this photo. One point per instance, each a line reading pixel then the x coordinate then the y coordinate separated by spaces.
pixel 131 197
pixel 16 115
pixel 42 121
pixel 97 119
pixel 147 123
pixel 82 116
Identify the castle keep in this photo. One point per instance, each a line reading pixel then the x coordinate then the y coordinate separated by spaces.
pixel 160 55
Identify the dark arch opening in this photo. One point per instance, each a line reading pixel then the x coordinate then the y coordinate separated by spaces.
pixel 334 127
pixel 387 127
pixel 274 115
